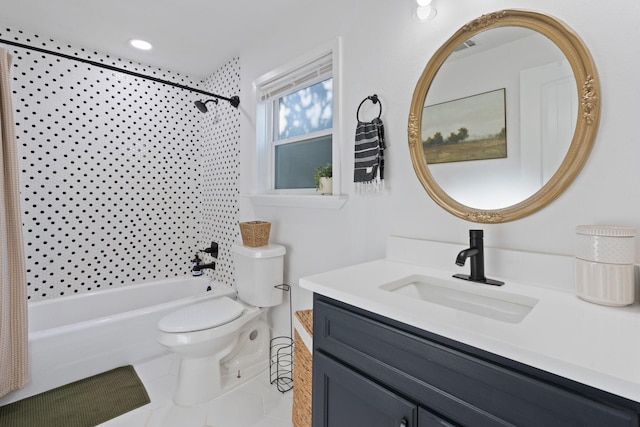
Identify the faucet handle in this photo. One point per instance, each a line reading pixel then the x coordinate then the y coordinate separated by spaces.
pixel 212 250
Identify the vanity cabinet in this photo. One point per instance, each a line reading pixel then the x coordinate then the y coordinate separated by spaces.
pixel 373 371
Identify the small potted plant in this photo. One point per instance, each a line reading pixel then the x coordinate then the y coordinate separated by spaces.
pixel 322 179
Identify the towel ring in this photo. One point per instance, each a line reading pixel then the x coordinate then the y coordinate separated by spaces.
pixel 373 98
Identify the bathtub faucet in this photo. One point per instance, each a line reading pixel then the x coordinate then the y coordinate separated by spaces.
pixel 201 267
pixel 211 250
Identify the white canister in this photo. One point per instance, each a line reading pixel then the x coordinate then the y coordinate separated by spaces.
pixel 604 268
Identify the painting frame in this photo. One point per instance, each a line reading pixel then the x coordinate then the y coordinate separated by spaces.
pixel 475 127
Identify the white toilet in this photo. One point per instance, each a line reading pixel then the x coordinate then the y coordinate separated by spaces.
pixel 223 342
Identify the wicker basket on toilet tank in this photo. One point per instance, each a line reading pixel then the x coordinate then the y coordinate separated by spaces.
pixel 255 233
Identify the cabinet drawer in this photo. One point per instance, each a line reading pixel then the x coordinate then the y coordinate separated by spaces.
pixel 460 386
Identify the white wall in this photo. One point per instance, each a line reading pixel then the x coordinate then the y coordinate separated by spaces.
pixel 384 52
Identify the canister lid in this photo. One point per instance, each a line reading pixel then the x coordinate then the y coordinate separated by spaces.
pixel 268 251
pixel 606 230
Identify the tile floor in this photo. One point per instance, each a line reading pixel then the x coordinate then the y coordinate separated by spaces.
pixel 254 404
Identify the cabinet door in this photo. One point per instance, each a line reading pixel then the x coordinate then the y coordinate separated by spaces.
pixel 351 400
pixel 429 419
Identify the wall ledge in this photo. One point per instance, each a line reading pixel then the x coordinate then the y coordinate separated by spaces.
pixel 298 200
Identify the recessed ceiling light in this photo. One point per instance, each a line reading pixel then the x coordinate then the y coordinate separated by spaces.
pixel 140 44
pixel 425 13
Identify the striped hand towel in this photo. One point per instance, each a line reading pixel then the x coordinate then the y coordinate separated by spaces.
pixel 368 173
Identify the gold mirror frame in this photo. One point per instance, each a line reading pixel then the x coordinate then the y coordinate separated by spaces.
pixel 586 125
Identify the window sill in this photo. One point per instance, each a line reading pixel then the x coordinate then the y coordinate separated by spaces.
pixel 298 200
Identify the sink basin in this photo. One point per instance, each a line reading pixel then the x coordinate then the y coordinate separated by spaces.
pixel 474 298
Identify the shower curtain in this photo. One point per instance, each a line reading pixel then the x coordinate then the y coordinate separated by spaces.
pixel 13 281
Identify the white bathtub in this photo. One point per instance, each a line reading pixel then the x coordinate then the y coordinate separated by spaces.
pixel 74 337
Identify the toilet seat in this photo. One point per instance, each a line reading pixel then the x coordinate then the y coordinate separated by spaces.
pixel 204 315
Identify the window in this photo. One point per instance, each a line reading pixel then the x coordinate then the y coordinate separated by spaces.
pixel 302 141
pixel 297 119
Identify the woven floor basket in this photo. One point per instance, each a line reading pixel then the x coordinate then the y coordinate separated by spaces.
pixel 301 413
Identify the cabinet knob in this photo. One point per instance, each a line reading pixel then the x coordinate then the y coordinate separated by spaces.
pixel 404 423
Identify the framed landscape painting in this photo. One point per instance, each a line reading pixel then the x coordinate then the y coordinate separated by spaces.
pixel 471 128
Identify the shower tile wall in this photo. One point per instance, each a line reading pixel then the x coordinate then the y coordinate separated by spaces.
pixel 112 167
pixel 220 169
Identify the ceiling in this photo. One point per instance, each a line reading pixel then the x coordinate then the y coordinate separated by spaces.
pixel 192 37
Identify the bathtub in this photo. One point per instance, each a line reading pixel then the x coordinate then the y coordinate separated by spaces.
pixel 74 337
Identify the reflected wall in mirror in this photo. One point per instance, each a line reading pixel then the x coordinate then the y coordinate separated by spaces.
pixel 551 112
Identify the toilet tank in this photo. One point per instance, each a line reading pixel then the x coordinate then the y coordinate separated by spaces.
pixel 258 271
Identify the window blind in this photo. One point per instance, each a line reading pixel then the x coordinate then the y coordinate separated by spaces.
pixel 296 77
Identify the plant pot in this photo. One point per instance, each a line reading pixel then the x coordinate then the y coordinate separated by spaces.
pixel 326 186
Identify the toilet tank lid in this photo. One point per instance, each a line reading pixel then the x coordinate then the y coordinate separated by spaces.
pixel 200 316
pixel 268 251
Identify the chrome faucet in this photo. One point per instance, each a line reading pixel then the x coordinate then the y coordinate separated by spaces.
pixel 476 253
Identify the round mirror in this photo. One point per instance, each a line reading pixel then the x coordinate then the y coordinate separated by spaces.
pixel 504 116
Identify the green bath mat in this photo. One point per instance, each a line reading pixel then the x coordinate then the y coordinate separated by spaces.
pixel 83 403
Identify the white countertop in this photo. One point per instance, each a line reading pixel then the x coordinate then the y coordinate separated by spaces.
pixel 588 343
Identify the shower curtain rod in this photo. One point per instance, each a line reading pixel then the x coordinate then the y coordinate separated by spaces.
pixel 234 100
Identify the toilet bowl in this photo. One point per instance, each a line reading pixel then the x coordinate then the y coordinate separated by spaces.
pixel 215 330
pixel 223 342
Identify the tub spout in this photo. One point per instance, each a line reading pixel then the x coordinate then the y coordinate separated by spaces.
pixel 201 267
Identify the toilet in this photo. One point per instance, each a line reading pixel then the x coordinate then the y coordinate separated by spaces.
pixel 223 342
